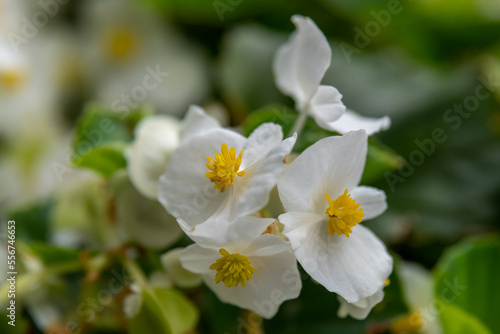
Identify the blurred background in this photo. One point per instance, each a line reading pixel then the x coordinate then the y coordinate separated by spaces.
pixel 433 66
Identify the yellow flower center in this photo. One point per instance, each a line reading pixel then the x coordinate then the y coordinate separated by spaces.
pixel 11 80
pixel 224 168
pixel 410 324
pixel 232 269
pixel 343 214
pixel 121 43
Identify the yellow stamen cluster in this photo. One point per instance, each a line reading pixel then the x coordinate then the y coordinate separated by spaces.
pixel 411 324
pixel 232 269
pixel 224 168
pixel 11 80
pixel 121 44
pixel 343 214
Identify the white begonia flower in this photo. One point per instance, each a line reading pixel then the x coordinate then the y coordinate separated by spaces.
pixel 300 65
pixel 345 258
pixel 242 266
pixel 133 302
pixel 134 57
pixel 234 184
pixel 181 277
pixel 418 289
pixel 360 309
pixel 156 138
pixel 141 219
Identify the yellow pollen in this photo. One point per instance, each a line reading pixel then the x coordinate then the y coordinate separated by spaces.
pixel 11 80
pixel 232 269
pixel 224 168
pixel 411 324
pixel 122 43
pixel 343 214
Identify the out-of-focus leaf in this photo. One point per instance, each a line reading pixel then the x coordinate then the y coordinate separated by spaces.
pixel 457 321
pixel 105 159
pixel 52 255
pixel 467 277
pixel 32 223
pixel 164 311
pixel 96 127
pixel 217 12
pixel 379 160
pixel 245 69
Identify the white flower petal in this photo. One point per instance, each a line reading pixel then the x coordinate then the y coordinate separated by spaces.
pixel 354 267
pixel 330 166
pixel 172 265
pixel 277 279
pixel 156 138
pixel 326 106
pixel 197 259
pixel 417 284
pixel 144 220
pixel 266 245
pixel 351 121
pixel 132 303
pixel 260 142
pixel 251 192
pixel 360 309
pixel 184 189
pixel 298 224
pixel 235 236
pixel 373 201
pixel 300 64
pixel 196 122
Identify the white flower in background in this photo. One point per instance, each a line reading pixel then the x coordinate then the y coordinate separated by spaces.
pixel 360 309
pixel 221 174
pixel 141 219
pixel 156 138
pixel 253 271
pixel 324 207
pixel 299 66
pixel 130 56
pixel 418 290
pixel 181 277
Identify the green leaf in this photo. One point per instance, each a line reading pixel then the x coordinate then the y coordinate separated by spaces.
pixel 457 321
pixel 164 311
pixel 32 223
pixel 101 137
pixel 467 277
pixel 52 255
pixel 98 126
pixel 105 159
pixel 380 159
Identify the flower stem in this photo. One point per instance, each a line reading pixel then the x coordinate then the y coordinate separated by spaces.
pixel 300 122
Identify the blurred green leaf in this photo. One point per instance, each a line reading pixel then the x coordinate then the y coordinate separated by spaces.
pixel 164 311
pixel 105 159
pixel 380 159
pixel 52 255
pixel 457 321
pixel 98 126
pixel 101 137
pixel 467 278
pixel 32 223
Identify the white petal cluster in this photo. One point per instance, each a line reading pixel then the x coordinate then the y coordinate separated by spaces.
pixel 355 267
pixel 300 65
pixel 215 182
